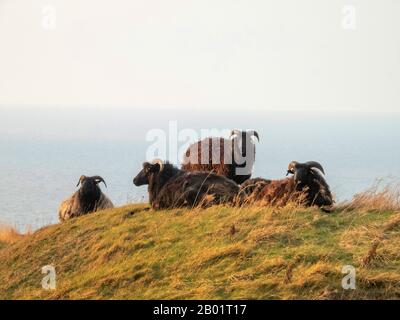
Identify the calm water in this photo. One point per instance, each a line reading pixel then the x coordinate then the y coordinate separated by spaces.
pixel 36 174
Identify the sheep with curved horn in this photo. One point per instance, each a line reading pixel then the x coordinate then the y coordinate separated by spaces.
pixel 307 186
pixel 89 198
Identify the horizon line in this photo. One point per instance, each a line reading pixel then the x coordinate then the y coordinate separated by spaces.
pixel 166 108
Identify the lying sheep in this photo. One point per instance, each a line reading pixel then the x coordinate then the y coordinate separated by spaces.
pixel 307 186
pixel 170 187
pixel 87 199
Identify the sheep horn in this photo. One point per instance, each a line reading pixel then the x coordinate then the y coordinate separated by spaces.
pixel 256 135
pixel 81 180
pixel 159 162
pixel 99 179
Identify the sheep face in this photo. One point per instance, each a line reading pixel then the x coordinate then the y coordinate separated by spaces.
pixel 244 151
pixel 89 192
pixel 144 176
pixel 89 184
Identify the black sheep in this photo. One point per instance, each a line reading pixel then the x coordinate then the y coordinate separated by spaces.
pixel 307 186
pixel 88 198
pixel 170 187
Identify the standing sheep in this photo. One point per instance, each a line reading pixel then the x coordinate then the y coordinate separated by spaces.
pixel 233 158
pixel 87 199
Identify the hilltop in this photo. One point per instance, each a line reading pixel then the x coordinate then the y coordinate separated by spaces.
pixel 133 252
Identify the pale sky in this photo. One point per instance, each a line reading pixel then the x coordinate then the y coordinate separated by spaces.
pixel 204 54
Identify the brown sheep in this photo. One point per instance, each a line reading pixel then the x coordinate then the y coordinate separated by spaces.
pixel 232 158
pixel 307 187
pixel 271 192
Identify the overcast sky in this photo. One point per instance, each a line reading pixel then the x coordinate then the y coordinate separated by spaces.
pixel 258 54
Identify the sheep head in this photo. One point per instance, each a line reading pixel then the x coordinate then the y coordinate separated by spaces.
pixel 291 167
pixel 89 192
pixel 149 169
pixel 294 165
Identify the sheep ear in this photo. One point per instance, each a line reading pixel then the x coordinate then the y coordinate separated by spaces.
pixel 156 167
pixel 145 164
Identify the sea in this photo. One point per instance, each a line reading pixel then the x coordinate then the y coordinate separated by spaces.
pixel 43 153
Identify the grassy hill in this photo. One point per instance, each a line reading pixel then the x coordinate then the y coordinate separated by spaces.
pixel 133 252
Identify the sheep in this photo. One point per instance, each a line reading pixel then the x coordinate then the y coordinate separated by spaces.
pixel 232 158
pixel 311 175
pixel 89 198
pixel 307 186
pixel 170 187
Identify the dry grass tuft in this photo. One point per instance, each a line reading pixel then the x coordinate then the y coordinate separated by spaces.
pixel 254 195
pixel 372 253
pixel 8 234
pixel 380 197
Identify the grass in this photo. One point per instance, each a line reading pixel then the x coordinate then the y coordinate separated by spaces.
pixel 9 235
pixel 255 252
